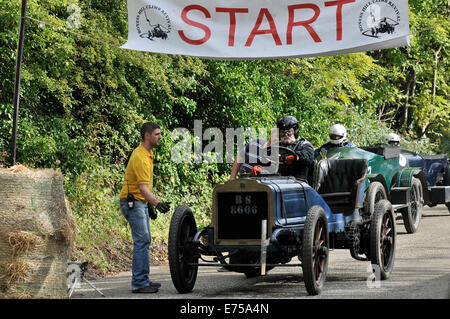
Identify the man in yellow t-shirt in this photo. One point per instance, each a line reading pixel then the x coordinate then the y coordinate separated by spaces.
pixel 136 199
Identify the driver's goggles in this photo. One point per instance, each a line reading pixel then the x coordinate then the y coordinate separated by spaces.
pixel 335 137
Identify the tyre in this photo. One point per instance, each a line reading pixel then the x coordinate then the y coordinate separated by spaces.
pixel 181 251
pixel 383 238
pixel 374 194
pixel 412 217
pixel 315 250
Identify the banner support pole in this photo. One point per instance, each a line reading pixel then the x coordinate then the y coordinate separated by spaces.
pixel 17 81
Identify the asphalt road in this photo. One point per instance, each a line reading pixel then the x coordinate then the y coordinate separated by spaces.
pixel 421 270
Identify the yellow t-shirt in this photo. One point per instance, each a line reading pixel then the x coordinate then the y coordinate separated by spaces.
pixel 139 171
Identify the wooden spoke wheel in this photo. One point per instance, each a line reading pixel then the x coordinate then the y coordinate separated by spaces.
pixel 315 250
pixel 383 238
pixel 413 215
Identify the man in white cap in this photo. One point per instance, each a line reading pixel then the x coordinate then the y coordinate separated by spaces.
pixel 338 138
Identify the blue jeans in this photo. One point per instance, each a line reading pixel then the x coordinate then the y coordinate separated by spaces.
pixel 140 231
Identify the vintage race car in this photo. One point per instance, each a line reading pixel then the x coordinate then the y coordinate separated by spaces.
pixel 259 223
pixel 437 170
pixel 387 179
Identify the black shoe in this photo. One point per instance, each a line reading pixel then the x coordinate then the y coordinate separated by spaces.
pixel 155 284
pixel 145 290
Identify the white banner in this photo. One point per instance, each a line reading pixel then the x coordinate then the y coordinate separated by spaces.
pixel 266 29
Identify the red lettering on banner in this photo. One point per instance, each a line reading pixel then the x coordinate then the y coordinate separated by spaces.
pixel 232 12
pixel 339 4
pixel 273 29
pixel 306 24
pixel 195 24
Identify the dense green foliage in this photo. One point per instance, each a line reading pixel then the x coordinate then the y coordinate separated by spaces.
pixel 83 101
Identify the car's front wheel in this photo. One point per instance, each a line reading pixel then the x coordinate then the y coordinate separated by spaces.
pixel 315 250
pixel 413 215
pixel 182 256
pixel 383 238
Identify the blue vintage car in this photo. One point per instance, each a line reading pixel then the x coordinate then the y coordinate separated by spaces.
pixel 437 171
pixel 263 222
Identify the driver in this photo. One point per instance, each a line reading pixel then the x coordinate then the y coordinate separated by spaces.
pixel 393 139
pixel 338 138
pixel 298 165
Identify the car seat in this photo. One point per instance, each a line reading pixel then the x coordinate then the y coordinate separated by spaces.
pixel 338 181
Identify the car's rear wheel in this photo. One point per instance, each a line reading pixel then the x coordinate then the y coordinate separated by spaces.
pixel 412 216
pixel 374 194
pixel 383 238
pixel 182 254
pixel 315 250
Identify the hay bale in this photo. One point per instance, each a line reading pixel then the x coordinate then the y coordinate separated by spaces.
pixel 37 232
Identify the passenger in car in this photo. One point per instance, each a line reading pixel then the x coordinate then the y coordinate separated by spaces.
pixel 393 139
pixel 338 138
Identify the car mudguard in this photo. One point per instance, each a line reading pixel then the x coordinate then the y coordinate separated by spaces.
pixel 404 179
pixel 377 178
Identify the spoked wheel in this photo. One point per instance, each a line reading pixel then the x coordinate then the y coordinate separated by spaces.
pixel 315 250
pixel 383 238
pixel 412 216
pixel 374 194
pixel 182 252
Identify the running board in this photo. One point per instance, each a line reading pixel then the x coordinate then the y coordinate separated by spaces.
pixel 399 197
pixel 439 194
pixel 400 206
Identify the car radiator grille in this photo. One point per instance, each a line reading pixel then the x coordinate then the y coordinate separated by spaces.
pixel 239 214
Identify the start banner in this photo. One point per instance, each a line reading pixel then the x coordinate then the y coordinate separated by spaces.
pixel 266 29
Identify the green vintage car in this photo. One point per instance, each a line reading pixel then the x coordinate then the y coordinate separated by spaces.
pixel 386 179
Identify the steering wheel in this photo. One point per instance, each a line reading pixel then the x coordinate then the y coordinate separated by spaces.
pixel 280 156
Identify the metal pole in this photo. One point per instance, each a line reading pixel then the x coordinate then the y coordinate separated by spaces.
pixel 18 77
pixel 264 244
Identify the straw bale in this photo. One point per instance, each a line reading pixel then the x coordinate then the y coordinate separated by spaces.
pixel 15 271
pixel 22 242
pixel 37 232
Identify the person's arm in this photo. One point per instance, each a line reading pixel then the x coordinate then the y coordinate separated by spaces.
pixel 235 169
pixel 306 154
pixel 148 195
